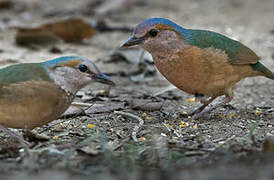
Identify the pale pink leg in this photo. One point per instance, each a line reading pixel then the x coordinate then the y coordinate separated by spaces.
pixel 205 104
pixel 228 97
pixel 24 143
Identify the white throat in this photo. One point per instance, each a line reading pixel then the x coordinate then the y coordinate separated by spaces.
pixel 67 79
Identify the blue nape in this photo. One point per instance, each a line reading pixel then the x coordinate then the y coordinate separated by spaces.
pixel 153 21
pixel 59 60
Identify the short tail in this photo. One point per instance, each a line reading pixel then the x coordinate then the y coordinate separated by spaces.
pixel 263 70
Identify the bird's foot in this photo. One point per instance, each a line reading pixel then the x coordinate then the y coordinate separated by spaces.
pixel 24 143
pixel 195 115
pixel 196 111
pixel 200 109
pixel 206 108
pixel 30 136
pixel 198 114
pixel 27 157
pixel 15 135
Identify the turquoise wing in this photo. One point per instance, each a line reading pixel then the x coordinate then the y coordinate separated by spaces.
pixel 236 51
pixel 23 72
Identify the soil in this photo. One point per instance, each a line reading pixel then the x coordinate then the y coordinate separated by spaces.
pixel 235 141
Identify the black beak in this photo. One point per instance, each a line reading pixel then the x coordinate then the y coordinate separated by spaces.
pixel 132 41
pixel 102 78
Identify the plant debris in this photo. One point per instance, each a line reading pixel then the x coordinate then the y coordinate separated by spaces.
pixel 155 139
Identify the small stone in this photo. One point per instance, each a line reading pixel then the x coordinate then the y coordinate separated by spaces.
pixel 174 138
pixel 195 126
pixel 144 114
pixel 102 91
pixel 21 150
pixel 142 139
pixel 184 113
pixel 86 98
pixel 221 142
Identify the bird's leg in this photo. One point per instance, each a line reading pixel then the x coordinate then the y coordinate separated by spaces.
pixel 225 100
pixel 205 103
pixel 31 136
pixel 24 143
pixel 29 160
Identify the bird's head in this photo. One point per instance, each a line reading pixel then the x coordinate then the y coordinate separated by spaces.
pixel 156 34
pixel 73 72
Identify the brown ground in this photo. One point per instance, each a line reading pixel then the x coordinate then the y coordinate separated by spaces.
pixel 222 145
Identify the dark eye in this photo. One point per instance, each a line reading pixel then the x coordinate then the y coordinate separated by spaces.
pixel 153 32
pixel 83 68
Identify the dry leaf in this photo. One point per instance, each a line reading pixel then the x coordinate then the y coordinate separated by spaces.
pixel 108 107
pixel 89 150
pixel 70 30
pixel 6 4
pixel 146 105
pixel 73 111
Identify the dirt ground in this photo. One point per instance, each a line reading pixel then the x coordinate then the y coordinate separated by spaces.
pixel 101 143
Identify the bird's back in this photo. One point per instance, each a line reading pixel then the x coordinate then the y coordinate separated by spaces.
pixel 238 54
pixel 236 51
pixel 23 72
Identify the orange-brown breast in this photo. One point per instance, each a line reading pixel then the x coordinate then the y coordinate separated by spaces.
pixel 204 71
pixel 31 104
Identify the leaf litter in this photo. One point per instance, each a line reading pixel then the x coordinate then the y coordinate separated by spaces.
pixel 100 143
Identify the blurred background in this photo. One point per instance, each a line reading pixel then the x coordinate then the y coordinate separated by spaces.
pixel 247 21
pixel 233 141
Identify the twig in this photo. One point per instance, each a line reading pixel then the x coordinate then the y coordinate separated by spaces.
pixel 227 140
pixel 191 148
pixel 168 88
pixel 137 127
pixel 167 127
pixel 80 104
pixel 170 129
